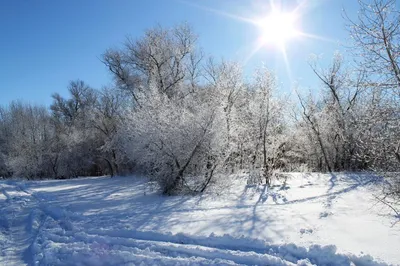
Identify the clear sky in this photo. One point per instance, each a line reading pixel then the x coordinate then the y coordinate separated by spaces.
pixel 45 43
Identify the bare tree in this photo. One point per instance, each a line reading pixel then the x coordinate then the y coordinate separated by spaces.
pixel 172 142
pixel 309 113
pixel 5 136
pixel 107 118
pixel 268 115
pixel 77 144
pixel 30 133
pixel 163 58
pixel 376 46
pixel 227 82
pixel 376 36
pixel 340 95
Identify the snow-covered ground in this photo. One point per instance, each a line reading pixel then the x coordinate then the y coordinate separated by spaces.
pixel 313 219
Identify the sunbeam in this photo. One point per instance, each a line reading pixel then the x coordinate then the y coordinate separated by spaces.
pixel 218 12
pixel 286 60
pixel 316 37
pixel 276 28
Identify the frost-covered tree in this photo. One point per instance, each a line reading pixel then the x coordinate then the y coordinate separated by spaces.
pixel 163 58
pixel 5 136
pixel 338 121
pixel 106 119
pixel 375 33
pixel 173 143
pixel 76 147
pixel 30 132
pixel 311 114
pixel 168 127
pixel 266 124
pixel 225 87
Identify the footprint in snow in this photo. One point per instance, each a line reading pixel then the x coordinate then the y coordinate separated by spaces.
pixel 306 231
pixel 307 185
pixel 324 214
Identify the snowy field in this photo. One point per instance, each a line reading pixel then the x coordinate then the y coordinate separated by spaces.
pixel 313 219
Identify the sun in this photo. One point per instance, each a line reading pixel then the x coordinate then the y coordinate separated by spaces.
pixel 277 28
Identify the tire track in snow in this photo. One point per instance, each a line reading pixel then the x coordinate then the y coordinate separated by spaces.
pixel 227 249
pixel 166 250
pixel 13 220
pixel 23 219
pixel 43 217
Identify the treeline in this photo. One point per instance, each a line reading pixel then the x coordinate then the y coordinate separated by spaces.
pixel 184 119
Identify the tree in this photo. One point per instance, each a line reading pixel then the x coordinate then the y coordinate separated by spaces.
pixel 5 136
pixel 76 145
pixel 164 59
pixel 341 90
pixel 376 46
pixel 268 115
pixel 226 85
pixel 107 118
pixel 173 142
pixel 376 42
pixel 30 133
pixel 310 117
pixel 170 126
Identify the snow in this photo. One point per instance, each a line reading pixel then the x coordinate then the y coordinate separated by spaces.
pixel 309 219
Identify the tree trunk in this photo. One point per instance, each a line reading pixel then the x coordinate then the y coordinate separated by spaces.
pixel 324 152
pixel 114 162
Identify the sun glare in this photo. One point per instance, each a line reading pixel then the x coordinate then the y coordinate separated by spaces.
pixel 277 28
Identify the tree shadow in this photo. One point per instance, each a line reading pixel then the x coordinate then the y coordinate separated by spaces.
pixel 352 181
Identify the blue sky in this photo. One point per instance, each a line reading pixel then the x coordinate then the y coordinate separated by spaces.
pixel 45 44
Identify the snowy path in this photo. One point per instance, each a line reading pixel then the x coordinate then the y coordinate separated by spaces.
pixel 16 236
pixel 329 220
pixel 24 217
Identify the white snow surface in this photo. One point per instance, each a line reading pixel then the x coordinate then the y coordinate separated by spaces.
pixel 311 219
